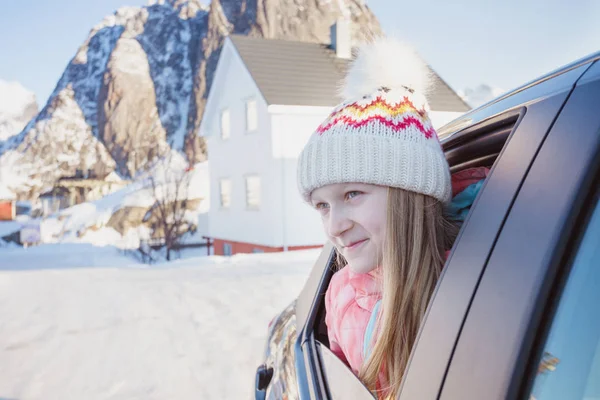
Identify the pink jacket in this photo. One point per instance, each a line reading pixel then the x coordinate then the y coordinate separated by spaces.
pixel 349 302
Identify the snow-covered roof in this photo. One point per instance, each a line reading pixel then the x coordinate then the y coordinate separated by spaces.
pixel 113 177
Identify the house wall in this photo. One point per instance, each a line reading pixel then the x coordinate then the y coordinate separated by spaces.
pixel 240 155
pixel 7 210
pixel 292 126
pixel 245 247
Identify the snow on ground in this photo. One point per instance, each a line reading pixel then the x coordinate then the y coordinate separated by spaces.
pixel 85 322
pixel 8 227
pixel 6 193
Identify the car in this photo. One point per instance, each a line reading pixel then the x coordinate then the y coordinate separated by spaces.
pixel 515 311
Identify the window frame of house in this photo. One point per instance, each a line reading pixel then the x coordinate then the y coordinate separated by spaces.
pixel 249 206
pixel 222 204
pixel 225 123
pixel 247 103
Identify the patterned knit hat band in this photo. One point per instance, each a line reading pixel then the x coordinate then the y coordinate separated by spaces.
pixel 394 110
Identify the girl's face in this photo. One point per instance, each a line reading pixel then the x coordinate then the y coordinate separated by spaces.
pixel 354 219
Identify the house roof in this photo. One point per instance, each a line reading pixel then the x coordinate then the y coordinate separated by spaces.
pixel 300 73
pixel 56 191
pixel 91 176
pixel 113 177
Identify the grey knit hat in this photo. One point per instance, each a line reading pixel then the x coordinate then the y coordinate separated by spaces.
pixel 381 134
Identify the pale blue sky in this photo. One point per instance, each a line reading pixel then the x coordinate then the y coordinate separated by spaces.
pixel 467 42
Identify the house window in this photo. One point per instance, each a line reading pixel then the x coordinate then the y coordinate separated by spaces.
pixel 225 193
pixel 253 192
pixel 227 249
pixel 257 250
pixel 251 116
pixel 225 124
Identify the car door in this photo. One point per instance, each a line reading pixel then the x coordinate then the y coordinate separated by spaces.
pixel 537 108
pixel 533 326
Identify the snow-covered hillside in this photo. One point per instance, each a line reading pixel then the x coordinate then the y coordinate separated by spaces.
pixel 84 322
pixel 17 106
pixel 90 222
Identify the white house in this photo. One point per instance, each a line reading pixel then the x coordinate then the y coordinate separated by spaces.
pixel 266 99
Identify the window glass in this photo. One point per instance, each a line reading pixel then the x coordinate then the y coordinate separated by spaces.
pixel 253 192
pixel 570 365
pixel 227 249
pixel 251 115
pixel 225 124
pixel 225 189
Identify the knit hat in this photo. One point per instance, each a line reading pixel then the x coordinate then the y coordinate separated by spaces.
pixel 381 134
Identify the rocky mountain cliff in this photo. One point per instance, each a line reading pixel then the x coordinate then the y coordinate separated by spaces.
pixel 142 77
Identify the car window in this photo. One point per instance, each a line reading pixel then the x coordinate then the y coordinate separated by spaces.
pixel 570 364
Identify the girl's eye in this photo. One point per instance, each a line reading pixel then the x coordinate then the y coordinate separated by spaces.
pixel 352 194
pixel 321 206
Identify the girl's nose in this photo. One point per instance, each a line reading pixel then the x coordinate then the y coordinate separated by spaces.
pixel 338 223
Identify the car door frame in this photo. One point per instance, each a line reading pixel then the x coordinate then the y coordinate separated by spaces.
pixel 514 296
pixel 538 107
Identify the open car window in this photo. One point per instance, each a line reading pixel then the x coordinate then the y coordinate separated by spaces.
pixel 471 157
pixel 470 165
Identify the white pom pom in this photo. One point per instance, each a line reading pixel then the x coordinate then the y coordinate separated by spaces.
pixel 385 62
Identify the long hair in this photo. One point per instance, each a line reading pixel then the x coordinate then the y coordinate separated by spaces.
pixel 417 238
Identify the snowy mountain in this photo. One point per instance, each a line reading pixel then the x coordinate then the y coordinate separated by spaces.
pixel 480 94
pixel 142 77
pixel 17 106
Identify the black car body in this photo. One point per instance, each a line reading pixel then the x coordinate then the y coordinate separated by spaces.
pixel 515 288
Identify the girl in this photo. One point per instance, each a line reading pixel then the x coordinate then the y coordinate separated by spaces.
pixel 375 171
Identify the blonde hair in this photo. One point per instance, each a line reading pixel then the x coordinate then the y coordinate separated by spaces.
pixel 417 238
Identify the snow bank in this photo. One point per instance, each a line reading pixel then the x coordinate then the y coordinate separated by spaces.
pixel 8 227
pixel 62 256
pixel 6 193
pixel 190 329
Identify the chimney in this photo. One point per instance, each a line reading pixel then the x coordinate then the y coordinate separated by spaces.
pixel 341 38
